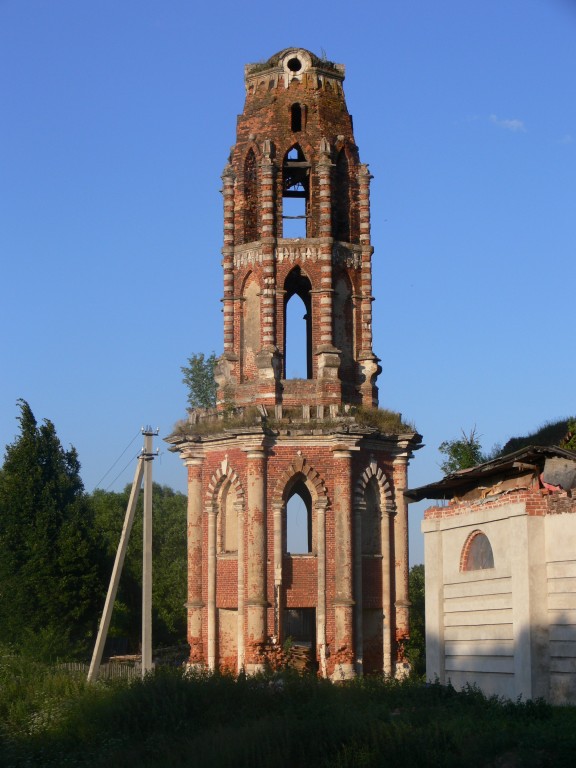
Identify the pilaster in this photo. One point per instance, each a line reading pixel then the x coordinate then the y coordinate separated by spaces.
pixel 195 604
pixel 402 604
pixel 343 602
pixel 256 602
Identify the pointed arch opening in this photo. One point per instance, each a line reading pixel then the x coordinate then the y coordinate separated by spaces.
pixel 298 539
pixel 297 326
pixel 295 193
pixel 250 198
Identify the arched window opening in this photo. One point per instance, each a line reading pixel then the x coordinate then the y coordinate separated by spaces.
pixel 250 198
pixel 297 334
pixel 295 193
pixel 341 223
pixel 477 554
pixel 343 321
pixel 299 520
pixel 372 520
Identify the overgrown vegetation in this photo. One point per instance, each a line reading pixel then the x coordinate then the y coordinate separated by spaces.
pixel 50 718
pixel 466 451
pixel 388 422
pixel 213 422
pixel 462 453
pixel 561 433
pixel 57 549
pixel 50 562
pixel 416 646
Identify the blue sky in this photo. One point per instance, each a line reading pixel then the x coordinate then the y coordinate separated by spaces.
pixel 117 118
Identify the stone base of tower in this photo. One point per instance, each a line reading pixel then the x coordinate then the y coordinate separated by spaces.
pixel 297 542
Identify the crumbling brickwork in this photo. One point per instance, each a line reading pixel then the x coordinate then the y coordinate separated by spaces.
pixel 272 437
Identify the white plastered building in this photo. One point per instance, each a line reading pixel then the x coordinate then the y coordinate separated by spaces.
pixel 500 563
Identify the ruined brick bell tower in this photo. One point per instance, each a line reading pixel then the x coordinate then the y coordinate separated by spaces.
pixel 317 448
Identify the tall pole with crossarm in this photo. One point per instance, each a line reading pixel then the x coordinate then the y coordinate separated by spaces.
pixel 143 469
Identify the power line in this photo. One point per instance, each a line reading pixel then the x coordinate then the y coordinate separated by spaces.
pixel 121 471
pixel 116 462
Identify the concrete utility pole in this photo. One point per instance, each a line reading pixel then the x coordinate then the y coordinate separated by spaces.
pixel 143 468
pixel 148 457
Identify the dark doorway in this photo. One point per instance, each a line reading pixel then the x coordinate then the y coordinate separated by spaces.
pixel 300 625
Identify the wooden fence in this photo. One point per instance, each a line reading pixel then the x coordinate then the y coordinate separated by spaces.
pixel 111 670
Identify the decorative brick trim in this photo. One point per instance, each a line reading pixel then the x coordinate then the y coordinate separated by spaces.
pixel 299 466
pixel 373 470
pixel 467 546
pixel 223 474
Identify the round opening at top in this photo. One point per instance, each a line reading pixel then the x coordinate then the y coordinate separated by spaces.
pixel 294 65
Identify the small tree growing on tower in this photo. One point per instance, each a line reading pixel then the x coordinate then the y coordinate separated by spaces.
pixel 199 378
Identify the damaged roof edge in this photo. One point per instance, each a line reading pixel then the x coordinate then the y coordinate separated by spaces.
pixel 532 457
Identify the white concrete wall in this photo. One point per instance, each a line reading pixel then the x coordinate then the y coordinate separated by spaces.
pixel 561 587
pixel 510 629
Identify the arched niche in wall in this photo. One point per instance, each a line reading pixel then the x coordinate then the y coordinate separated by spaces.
pixel 477 554
pixel 343 321
pixel 228 520
pixel 250 331
pixel 341 208
pixel 250 198
pixel 372 519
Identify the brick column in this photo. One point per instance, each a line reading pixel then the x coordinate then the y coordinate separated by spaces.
pixel 239 505
pixel 366 357
pixel 343 602
pixel 212 516
pixel 267 218
pixel 328 358
pixel 359 513
pixel 277 512
pixel 256 558
pixel 402 603
pixel 268 359
pixel 321 504
pixel 228 258
pixel 194 603
pixel 389 618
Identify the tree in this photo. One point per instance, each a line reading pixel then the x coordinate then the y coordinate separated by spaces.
pixel 199 378
pixel 169 564
pixel 49 560
pixel 463 453
pixel 416 647
pixel 569 440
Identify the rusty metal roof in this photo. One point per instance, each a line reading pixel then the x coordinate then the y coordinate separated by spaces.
pixel 533 458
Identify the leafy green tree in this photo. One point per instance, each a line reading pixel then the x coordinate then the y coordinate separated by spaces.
pixel 569 441
pixel 416 647
pixel 199 378
pixel 169 564
pixel 462 453
pixel 50 579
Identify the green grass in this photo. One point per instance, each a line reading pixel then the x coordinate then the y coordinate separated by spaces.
pixel 51 718
pixel 386 421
